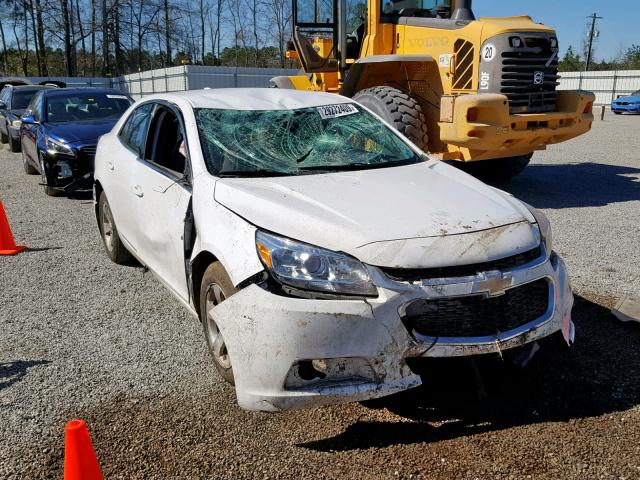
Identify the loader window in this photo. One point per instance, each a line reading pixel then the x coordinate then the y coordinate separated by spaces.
pixel 417 8
pixel 317 11
pixel 247 143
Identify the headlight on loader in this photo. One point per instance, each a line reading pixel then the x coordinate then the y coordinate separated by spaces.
pixel 303 266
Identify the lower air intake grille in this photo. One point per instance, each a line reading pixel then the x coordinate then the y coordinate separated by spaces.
pixel 477 316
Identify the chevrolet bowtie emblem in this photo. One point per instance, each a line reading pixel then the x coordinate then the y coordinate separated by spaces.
pixel 492 283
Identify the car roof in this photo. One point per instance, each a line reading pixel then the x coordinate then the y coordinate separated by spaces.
pixel 32 87
pixel 254 98
pixel 63 92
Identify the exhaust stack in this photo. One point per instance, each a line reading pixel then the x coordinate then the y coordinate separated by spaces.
pixel 462 10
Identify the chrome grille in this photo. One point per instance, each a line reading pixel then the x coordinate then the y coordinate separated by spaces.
pixel 506 263
pixel 88 151
pixel 530 77
pixel 477 315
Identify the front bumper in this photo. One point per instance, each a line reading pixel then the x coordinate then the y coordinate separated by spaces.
pixel 361 345
pixel 628 108
pixel 13 132
pixel 496 133
pixel 70 173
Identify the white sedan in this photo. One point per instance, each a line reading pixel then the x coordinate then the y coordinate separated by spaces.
pixel 326 256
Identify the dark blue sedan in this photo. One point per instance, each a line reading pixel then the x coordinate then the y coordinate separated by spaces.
pixel 630 104
pixel 60 131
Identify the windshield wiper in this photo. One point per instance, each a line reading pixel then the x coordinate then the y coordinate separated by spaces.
pixel 360 165
pixel 304 157
pixel 252 173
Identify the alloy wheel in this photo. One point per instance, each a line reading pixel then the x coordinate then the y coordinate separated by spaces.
pixel 215 296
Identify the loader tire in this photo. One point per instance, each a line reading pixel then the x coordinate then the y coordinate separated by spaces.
pixel 398 108
pixel 499 169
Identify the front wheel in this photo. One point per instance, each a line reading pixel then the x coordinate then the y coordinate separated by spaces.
pixel 28 168
pixel 4 137
pixel 116 250
pixel 50 191
pixel 14 145
pixel 215 288
pixel 398 108
pixel 499 169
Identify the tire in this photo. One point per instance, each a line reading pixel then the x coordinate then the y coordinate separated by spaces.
pixel 398 108
pixel 617 113
pixel 14 145
pixel 116 251
pixel 497 170
pixel 216 286
pixel 28 168
pixel 4 138
pixel 50 191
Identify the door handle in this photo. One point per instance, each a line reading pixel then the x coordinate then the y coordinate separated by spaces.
pixel 110 165
pixel 137 189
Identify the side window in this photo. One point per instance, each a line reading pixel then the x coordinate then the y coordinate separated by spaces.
pixel 4 96
pixel 166 142
pixel 33 107
pixel 134 132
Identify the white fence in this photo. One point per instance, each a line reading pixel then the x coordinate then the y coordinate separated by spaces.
pixel 193 77
pixel 607 85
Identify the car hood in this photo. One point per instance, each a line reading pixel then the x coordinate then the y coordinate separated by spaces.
pixel 18 112
pixel 383 216
pixel 71 132
pixel 627 99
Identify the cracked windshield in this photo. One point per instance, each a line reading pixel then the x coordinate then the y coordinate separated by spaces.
pixel 298 142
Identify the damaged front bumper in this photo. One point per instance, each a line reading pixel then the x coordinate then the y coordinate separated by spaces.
pixel 70 173
pixel 290 353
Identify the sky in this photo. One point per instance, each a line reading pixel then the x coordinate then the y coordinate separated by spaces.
pixel 619 28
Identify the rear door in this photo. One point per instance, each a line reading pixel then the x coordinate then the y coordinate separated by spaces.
pixel 161 194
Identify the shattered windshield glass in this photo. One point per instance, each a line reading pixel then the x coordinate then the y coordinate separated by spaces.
pixel 297 142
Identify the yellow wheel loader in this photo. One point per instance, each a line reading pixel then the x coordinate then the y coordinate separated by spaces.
pixel 480 91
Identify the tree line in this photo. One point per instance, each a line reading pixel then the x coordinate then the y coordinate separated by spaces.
pixel 628 59
pixel 115 37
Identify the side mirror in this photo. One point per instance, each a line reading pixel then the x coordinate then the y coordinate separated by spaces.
pixel 3 105
pixel 28 119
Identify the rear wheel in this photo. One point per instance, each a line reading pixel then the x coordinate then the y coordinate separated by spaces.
pixel 216 287
pixel 398 108
pixel 499 169
pixel 112 243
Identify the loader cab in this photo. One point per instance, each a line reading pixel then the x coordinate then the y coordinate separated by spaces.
pixel 327 33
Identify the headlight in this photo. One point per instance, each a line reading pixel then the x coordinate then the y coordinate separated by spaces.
pixel 54 147
pixel 545 227
pixel 16 123
pixel 306 267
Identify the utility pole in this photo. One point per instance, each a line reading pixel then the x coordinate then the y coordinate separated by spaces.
pixel 592 35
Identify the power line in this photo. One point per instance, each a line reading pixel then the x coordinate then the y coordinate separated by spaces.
pixel 592 34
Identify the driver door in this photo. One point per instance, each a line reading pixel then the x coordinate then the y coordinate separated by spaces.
pixel 160 193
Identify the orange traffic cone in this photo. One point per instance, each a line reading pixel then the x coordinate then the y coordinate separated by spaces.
pixel 7 244
pixel 80 462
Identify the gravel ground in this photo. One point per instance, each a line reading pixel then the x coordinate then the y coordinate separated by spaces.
pixel 80 336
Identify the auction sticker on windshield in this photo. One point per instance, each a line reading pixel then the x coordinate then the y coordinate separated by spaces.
pixel 335 111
